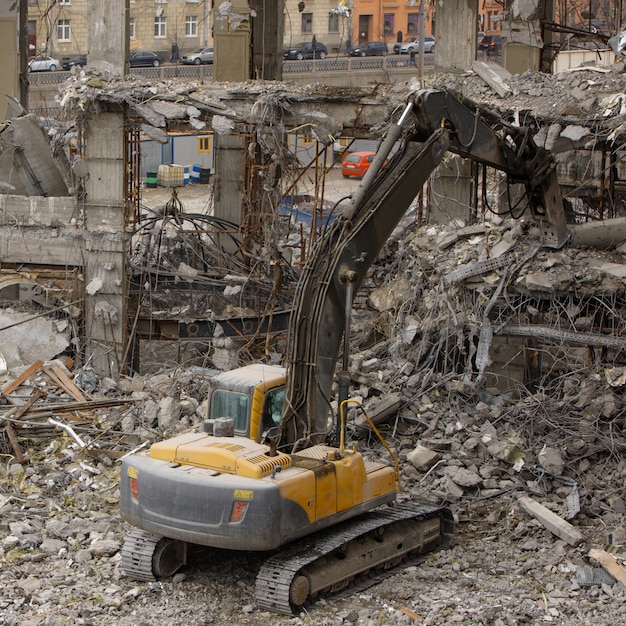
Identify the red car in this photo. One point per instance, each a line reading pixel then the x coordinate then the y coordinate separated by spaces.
pixel 356 164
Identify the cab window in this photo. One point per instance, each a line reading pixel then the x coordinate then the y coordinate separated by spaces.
pixel 230 404
pixel 272 408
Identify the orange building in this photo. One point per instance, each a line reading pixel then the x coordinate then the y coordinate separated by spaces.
pixel 490 16
pixel 389 20
pixel 394 20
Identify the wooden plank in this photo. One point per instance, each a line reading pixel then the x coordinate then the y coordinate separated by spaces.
pixel 551 521
pixel 23 408
pixel 19 455
pixel 69 384
pixel 27 373
pixel 609 564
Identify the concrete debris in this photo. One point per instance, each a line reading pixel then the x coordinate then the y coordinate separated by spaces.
pixel 475 420
pixel 551 460
pixel 27 161
pixel 551 521
pixel 495 76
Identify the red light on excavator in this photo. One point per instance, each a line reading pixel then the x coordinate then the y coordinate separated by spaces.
pixel 134 488
pixel 238 511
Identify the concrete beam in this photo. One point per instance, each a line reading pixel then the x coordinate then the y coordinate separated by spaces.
pixel 36 210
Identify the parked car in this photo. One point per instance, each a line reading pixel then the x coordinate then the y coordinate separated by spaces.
pixel 304 50
pixel 356 164
pixel 370 49
pixel 413 46
pixel 43 63
pixel 200 56
pixel 79 61
pixel 491 44
pixel 144 58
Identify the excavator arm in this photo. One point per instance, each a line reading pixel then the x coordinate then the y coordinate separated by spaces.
pixel 432 123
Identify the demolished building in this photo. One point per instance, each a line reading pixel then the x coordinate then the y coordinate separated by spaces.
pixel 155 252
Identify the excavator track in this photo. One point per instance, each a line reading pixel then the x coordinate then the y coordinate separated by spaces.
pixel 146 556
pixel 330 560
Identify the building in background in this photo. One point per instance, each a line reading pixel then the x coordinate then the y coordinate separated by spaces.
pixel 342 24
pixel 9 68
pixel 59 27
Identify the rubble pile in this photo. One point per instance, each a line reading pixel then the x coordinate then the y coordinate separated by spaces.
pixel 584 95
pixel 531 462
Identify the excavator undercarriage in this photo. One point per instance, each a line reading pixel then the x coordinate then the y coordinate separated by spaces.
pixel 325 562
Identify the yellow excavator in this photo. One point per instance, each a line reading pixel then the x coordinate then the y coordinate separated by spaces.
pixel 271 470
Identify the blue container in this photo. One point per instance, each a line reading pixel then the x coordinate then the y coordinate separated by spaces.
pixel 195 173
pixel 186 174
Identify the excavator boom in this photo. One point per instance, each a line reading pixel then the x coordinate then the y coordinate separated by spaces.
pixel 432 123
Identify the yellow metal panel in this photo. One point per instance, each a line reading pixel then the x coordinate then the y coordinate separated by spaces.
pixel 350 478
pixel 299 486
pixel 326 492
pixel 379 483
pixel 166 450
pixel 230 455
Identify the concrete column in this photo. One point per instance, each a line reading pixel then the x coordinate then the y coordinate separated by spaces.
pixel 451 191
pixel 106 208
pixel 106 284
pixel 456 39
pixel 456 35
pixel 523 48
pixel 9 53
pixel 231 34
pixel 267 43
pixel 228 183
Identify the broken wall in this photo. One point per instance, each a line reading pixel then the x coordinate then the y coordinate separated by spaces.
pixel 27 163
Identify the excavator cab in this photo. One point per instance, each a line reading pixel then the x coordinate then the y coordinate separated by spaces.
pixel 252 396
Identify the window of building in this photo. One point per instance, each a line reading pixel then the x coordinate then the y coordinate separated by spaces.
pixel 131 28
pixel 62 2
pixel 333 23
pixel 160 1
pixel 388 23
pixel 191 26
pixel 412 23
pixel 204 143
pixel 160 26
pixel 308 139
pixel 307 22
pixel 31 2
pixel 63 30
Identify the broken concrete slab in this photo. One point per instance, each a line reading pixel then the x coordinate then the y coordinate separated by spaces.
pixel 551 521
pixel 423 458
pixel 495 76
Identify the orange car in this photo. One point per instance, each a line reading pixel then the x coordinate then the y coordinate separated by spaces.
pixel 356 164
